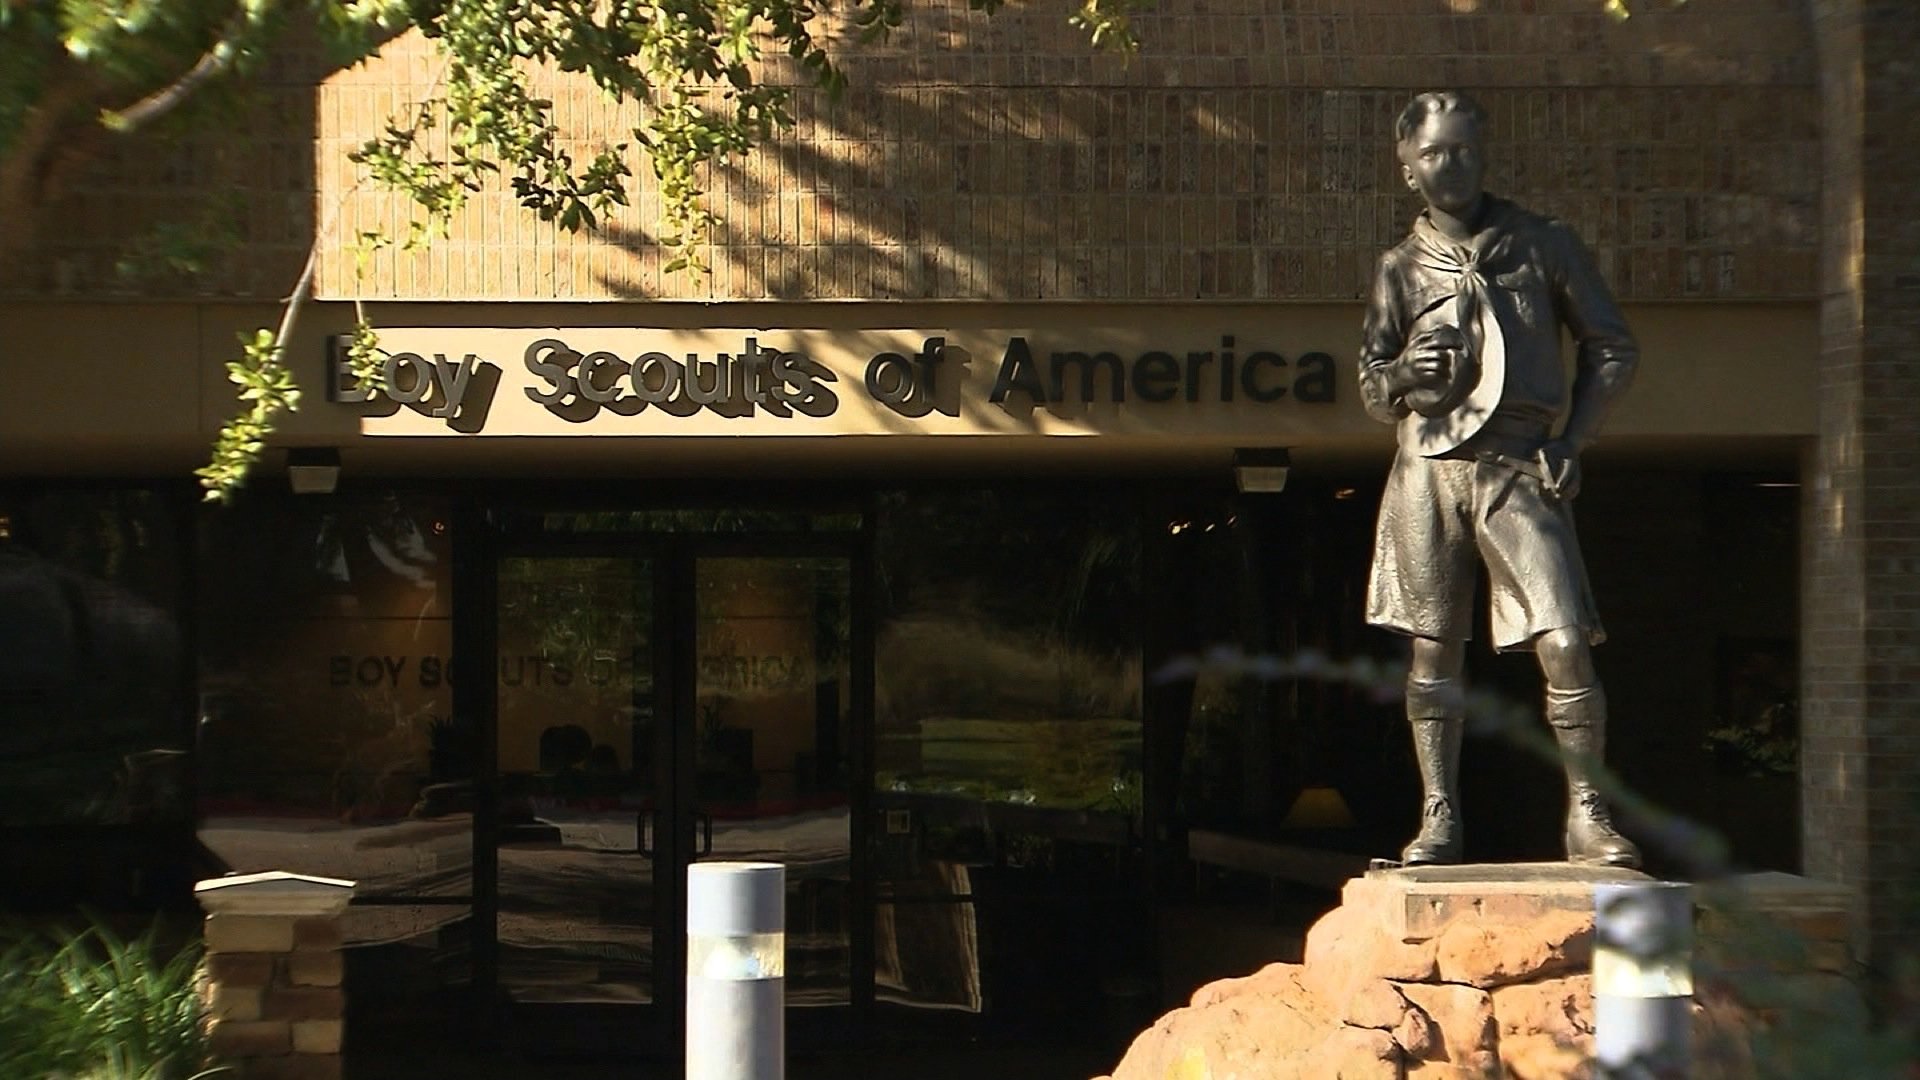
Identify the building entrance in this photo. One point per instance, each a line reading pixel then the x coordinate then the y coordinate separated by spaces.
pixel 661 701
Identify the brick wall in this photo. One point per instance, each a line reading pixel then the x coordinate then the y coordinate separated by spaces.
pixel 1860 770
pixel 1245 153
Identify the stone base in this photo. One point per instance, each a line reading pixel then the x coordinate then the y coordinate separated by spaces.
pixel 1418 901
pixel 1436 971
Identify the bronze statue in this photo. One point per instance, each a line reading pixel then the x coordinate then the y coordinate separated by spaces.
pixel 1462 351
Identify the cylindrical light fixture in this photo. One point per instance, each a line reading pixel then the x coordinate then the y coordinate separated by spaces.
pixel 1261 469
pixel 1642 979
pixel 313 470
pixel 736 971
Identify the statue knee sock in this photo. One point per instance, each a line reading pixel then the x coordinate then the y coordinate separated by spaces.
pixel 1436 699
pixel 1437 714
pixel 1436 709
pixel 1579 719
pixel 1580 707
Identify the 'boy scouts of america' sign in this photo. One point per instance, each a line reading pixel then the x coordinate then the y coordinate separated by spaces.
pixel 610 381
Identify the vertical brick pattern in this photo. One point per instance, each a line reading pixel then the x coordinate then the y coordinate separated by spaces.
pixel 229 184
pixel 1245 153
pixel 1860 773
pixel 273 996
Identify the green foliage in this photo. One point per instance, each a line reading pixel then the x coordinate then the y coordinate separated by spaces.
pixel 182 249
pixel 364 356
pixel 266 391
pixel 96 1006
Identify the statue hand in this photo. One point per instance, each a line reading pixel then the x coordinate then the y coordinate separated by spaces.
pixel 1428 363
pixel 1561 461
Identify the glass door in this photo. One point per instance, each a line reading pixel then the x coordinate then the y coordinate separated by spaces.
pixel 578 788
pixel 655 706
pixel 772 683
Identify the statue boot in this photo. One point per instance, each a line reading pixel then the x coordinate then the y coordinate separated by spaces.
pixel 1579 720
pixel 1436 713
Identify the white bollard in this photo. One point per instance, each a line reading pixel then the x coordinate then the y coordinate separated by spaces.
pixel 1642 979
pixel 736 971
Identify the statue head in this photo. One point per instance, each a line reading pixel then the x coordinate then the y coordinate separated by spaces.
pixel 1437 137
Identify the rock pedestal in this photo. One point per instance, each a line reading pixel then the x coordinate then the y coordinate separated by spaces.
pixel 1461 971
pixel 273 994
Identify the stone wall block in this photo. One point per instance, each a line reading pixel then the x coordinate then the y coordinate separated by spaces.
pixel 304 1003
pixel 317 933
pixel 228 1002
pixel 1562 1008
pixel 1374 1003
pixel 1545 1057
pixel 249 1038
pixel 241 968
pixel 1353 1053
pixel 273 974
pixel 249 933
pixel 310 968
pixel 318 1036
pixel 1416 1035
pixel 1493 954
pixel 1480 1065
pixel 1533 1020
pixel 1350 944
pixel 1461 1015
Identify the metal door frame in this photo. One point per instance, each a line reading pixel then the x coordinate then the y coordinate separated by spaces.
pixel 478 549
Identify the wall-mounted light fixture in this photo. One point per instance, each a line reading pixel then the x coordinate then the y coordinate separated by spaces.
pixel 1261 469
pixel 313 470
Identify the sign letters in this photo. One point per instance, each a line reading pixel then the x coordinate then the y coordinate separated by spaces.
pixel 605 376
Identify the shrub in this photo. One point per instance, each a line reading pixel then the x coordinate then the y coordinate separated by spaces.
pixel 93 1005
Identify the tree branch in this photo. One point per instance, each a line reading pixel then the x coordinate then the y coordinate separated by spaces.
pixel 216 61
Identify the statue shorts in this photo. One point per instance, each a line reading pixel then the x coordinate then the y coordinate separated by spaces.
pixel 1438 515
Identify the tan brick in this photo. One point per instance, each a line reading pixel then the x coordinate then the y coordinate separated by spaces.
pixel 235 1002
pixel 316 933
pixel 241 968
pixel 318 1036
pixel 249 1038
pixel 315 968
pixel 249 933
pixel 303 1003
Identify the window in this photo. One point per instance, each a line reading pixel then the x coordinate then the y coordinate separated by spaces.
pixel 1008 750
pixel 93 725
pixel 328 743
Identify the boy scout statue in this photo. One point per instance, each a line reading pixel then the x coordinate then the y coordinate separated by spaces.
pixel 1462 351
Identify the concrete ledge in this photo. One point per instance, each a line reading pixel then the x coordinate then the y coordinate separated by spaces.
pixel 1417 901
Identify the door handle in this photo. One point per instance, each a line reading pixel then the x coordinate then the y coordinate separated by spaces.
pixel 704 845
pixel 643 833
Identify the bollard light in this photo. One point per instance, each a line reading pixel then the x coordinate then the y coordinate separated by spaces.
pixel 1642 979
pixel 736 971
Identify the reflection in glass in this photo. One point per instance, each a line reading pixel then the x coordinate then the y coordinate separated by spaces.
pixel 90 713
pixel 576 774
pixel 327 740
pixel 772 676
pixel 409 971
pixel 1008 750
